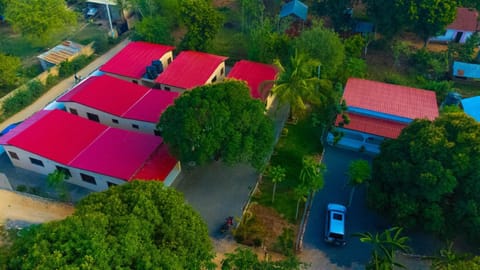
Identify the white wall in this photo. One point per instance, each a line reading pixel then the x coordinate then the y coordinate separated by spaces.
pixel 49 166
pixel 172 176
pixel 106 119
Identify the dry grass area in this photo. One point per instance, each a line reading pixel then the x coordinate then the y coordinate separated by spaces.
pixel 272 222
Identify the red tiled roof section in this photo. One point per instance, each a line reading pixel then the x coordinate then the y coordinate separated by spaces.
pixel 133 60
pixel 157 167
pixel 151 106
pixel 391 99
pixel 254 74
pixel 190 69
pixel 370 125
pixel 466 20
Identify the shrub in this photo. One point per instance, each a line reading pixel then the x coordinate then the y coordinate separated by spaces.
pixel 285 242
pixel 24 97
pixel 68 68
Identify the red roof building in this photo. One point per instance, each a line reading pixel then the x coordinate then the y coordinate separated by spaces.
pixel 118 103
pixel 464 25
pixel 379 110
pixel 259 77
pixel 191 69
pixel 94 155
pixel 131 62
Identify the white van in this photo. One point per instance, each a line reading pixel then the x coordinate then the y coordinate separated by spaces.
pixel 335 224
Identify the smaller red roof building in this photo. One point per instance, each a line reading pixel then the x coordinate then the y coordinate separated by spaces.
pixel 132 61
pixel 259 77
pixel 466 20
pixel 191 69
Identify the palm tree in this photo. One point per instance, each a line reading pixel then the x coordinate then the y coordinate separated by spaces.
pixel 384 247
pixel 298 85
pixel 358 172
pixel 277 174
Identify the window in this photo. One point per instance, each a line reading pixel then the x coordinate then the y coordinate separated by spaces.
pixel 13 155
pixel 167 88
pixel 93 117
pixel 214 79
pixel 64 170
pixel 157 132
pixel 221 71
pixel 36 162
pixel 115 121
pixel 110 184
pixel 88 178
pixel 135 126
pixel 169 60
pixel 73 111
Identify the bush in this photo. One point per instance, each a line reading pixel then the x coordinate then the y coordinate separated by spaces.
pixel 285 242
pixel 51 81
pixel 24 97
pixel 68 68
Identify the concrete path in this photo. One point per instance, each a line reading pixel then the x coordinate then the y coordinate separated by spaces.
pixel 62 86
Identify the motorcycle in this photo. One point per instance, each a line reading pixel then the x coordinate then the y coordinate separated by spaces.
pixel 227 225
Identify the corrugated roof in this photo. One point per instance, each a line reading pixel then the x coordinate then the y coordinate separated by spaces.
pixel 467 70
pixel 158 166
pixel 61 52
pixel 151 106
pixel 133 60
pixel 254 74
pixel 375 126
pixel 87 145
pixel 106 93
pixel 471 106
pixel 296 8
pixel 391 99
pixel 190 69
pixel 466 20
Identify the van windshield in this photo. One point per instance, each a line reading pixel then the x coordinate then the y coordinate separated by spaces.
pixel 336 236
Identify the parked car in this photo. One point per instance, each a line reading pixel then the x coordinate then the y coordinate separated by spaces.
pixel 335 224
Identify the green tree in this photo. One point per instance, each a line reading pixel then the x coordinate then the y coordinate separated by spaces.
pixel 277 174
pixel 218 120
pixel 335 10
pixel 202 21
pixel 155 29
pixel 311 179
pixel 469 3
pixel 429 173
pixel 358 172
pixel 139 225
pixel 297 84
pixel 252 13
pixel 428 18
pixel 384 247
pixel 9 67
pixel 56 179
pixel 388 17
pixel 39 20
pixel 246 259
pixel 330 55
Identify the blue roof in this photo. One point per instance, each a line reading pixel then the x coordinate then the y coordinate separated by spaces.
pixel 363 27
pixel 467 70
pixel 471 106
pixel 296 8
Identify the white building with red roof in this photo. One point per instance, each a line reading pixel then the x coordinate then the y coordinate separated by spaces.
pixel 131 62
pixel 95 156
pixel 464 25
pixel 191 69
pixel 259 77
pixel 118 103
pixel 380 110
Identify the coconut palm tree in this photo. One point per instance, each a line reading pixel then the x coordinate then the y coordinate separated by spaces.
pixel 384 247
pixel 298 84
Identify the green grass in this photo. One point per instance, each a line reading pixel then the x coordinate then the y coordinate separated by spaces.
pixel 302 139
pixel 16 44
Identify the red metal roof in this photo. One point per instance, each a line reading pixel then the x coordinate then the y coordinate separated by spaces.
pixel 190 69
pixel 380 127
pixel 56 135
pixel 88 145
pixel 117 153
pixel 151 106
pixel 158 166
pixel 106 93
pixel 254 74
pixel 391 99
pixel 134 58
pixel 466 20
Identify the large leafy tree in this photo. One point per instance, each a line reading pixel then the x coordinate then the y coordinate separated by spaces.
pixel 428 18
pixel 154 29
pixel 39 20
pixel 140 225
pixel 298 84
pixel 218 120
pixel 389 19
pixel 429 176
pixel 202 21
pixel 9 66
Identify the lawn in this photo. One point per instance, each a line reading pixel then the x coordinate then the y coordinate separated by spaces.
pixel 302 139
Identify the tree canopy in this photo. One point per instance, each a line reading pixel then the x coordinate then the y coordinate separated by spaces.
pixel 140 225
pixel 429 176
pixel 39 20
pixel 218 121
pixel 9 66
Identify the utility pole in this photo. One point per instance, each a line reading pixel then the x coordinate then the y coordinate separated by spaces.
pixel 109 19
